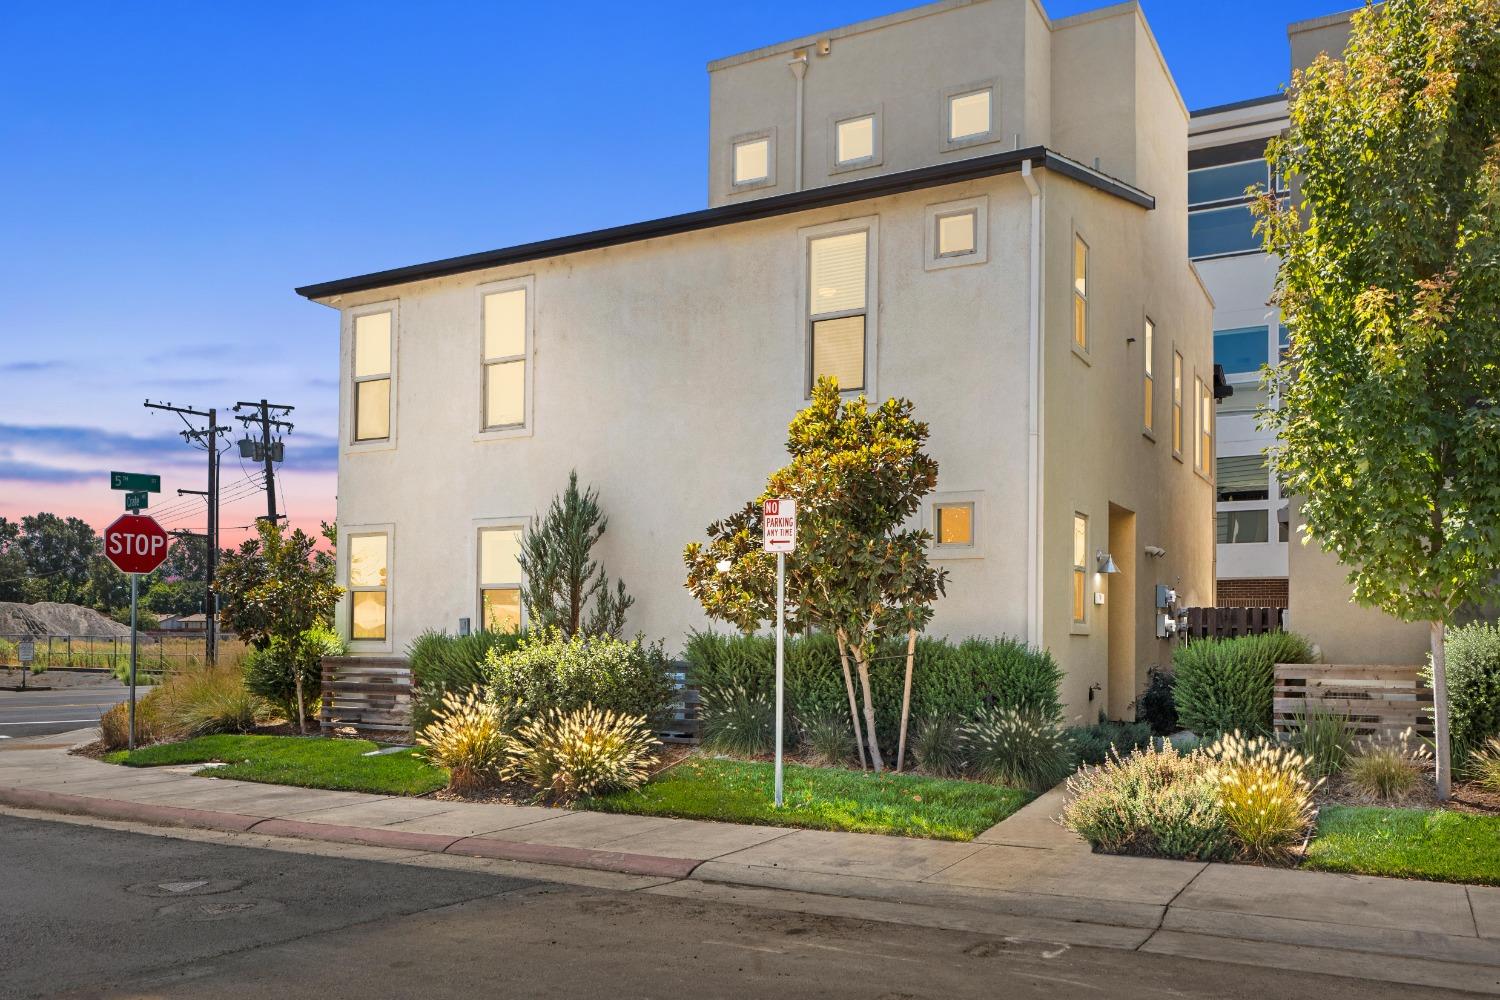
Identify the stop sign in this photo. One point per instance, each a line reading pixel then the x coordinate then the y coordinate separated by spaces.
pixel 135 543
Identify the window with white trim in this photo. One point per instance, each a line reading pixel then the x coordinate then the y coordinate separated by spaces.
pixel 751 161
pixel 369 559
pixel 372 377
pixel 854 141
pixel 506 327
pixel 838 307
pixel 1080 293
pixel 953 525
pixel 969 115
pixel 1176 404
pixel 1080 568
pixel 1205 425
pixel 957 233
pixel 500 579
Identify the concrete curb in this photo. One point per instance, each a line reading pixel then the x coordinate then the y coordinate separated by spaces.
pixel 575 857
pixel 141 812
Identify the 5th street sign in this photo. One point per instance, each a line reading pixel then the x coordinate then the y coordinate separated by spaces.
pixel 135 482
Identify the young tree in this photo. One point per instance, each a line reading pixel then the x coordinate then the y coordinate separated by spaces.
pixel 562 578
pixel 1387 422
pixel 274 591
pixel 858 475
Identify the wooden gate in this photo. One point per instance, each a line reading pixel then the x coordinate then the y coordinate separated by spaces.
pixel 1380 700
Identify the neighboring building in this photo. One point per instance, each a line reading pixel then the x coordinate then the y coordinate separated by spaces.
pixel 197 622
pixel 985 212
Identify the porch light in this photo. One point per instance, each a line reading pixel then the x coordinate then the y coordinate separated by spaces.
pixel 1106 562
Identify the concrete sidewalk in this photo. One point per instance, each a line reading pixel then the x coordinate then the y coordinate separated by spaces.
pixel 1026 877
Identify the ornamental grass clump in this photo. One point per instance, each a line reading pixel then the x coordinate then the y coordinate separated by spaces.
pixel 1391 771
pixel 738 720
pixel 938 746
pixel 1156 802
pixel 1264 794
pixel 1019 749
pixel 467 736
pixel 1323 738
pixel 1484 764
pixel 565 755
pixel 827 739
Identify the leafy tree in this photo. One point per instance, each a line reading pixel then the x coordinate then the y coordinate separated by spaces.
pixel 1389 281
pixel 175 597
pixel 59 555
pixel 858 475
pixel 276 594
pixel 13 570
pixel 562 578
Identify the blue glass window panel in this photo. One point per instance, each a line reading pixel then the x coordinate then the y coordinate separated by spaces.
pixel 1225 183
pixel 1242 350
pixel 1218 231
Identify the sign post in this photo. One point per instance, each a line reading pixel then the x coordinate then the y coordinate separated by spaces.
pixel 136 544
pixel 25 654
pixel 779 535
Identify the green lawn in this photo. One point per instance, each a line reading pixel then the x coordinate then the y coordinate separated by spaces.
pixel 819 799
pixel 296 760
pixel 1430 844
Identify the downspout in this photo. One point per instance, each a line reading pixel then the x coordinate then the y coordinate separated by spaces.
pixel 798 66
pixel 1034 419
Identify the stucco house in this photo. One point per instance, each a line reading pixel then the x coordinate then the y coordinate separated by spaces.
pixel 969 204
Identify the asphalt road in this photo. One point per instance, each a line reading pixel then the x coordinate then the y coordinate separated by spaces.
pixel 61 710
pixel 90 912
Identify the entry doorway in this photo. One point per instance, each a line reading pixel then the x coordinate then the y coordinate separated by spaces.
pixel 1120 593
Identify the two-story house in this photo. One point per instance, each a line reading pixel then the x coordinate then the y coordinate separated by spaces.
pixel 969 204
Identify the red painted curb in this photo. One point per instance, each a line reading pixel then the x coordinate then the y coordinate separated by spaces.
pixel 575 857
pixel 145 812
pixel 405 840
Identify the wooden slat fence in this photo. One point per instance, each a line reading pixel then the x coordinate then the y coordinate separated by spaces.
pixel 1224 623
pixel 1379 700
pixel 369 694
pixel 683 721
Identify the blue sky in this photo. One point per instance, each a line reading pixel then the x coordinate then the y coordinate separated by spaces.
pixel 172 170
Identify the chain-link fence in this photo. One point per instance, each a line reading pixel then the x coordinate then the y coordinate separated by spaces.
pixel 158 652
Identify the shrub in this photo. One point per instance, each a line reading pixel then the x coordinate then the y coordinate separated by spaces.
pixel 549 671
pixel 1017 748
pixel 1324 739
pixel 938 746
pixel 1155 802
pixel 1100 742
pixel 442 664
pixel 1473 653
pixel 200 701
pixel 114 724
pixel 468 738
pixel 1158 706
pixel 827 739
pixel 1484 764
pixel 738 720
pixel 1264 794
pixel 586 751
pixel 1227 685
pixel 271 671
pixel 1389 771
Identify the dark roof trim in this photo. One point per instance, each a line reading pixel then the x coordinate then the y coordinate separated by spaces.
pixel 1253 102
pixel 742 211
pixel 1234 152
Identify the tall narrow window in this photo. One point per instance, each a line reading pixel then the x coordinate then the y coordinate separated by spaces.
pixel 854 140
pixel 368 558
pixel 1148 383
pixel 1205 425
pixel 1177 403
pixel 1080 293
pixel 838 307
pixel 372 377
pixel 505 359
pixel 1198 439
pixel 500 579
pixel 752 161
pixel 1080 568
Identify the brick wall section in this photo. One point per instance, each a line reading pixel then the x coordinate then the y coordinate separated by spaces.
pixel 1260 592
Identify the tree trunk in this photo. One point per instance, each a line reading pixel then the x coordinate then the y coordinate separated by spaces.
pixel 1440 711
pixel 301 710
pixel 862 664
pixel 911 651
pixel 859 739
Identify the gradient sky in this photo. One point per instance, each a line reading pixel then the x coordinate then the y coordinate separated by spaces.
pixel 171 170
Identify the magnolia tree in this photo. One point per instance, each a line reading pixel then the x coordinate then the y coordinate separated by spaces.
pixel 1389 281
pixel 858 476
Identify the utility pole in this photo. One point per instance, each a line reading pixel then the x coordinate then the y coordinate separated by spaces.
pixel 267 451
pixel 208 439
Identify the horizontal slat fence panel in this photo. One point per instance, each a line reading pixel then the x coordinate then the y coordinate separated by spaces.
pixel 370 695
pixel 1380 700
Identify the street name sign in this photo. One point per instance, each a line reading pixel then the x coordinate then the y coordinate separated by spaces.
pixel 779 525
pixel 135 481
pixel 137 501
pixel 135 543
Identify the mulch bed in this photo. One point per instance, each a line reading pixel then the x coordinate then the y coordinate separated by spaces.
pixel 1467 797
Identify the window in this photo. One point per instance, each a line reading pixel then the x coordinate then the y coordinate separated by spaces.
pixel 368 559
pixel 1177 404
pixel 1205 425
pixel 372 377
pixel 969 115
pixel 1243 477
pixel 1148 384
pixel 954 523
pixel 838 307
pixel 505 323
pixel 1226 182
pixel 1080 293
pixel 1242 351
pixel 1247 399
pixel 1080 568
pixel 1219 232
pixel 1283 341
pixel 1219 218
pixel 854 141
pixel 1198 441
pixel 956 234
pixel 500 579
pixel 1237 527
pixel 752 161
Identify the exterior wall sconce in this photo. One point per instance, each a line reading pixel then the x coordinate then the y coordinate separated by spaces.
pixel 1106 562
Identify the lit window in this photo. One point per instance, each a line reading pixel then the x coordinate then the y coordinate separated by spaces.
pixel 505 324
pixel 1080 293
pixel 372 377
pixel 1080 568
pixel 500 579
pixel 957 234
pixel 1238 527
pixel 1148 385
pixel 368 559
pixel 855 140
pixel 954 523
pixel 969 115
pixel 1177 403
pixel 1242 477
pixel 1205 425
pixel 838 307
pixel 752 161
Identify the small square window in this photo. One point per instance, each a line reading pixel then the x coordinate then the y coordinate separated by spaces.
pixel 954 523
pixel 969 115
pixel 855 139
pixel 752 161
pixel 956 235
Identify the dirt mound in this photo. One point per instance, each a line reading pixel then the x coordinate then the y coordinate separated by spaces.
pixel 51 618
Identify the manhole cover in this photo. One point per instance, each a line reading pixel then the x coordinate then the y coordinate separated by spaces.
pixel 219 909
pixel 186 887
